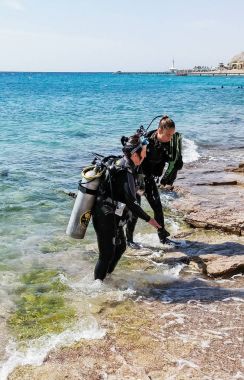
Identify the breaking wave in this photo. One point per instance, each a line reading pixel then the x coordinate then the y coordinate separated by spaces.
pixel 190 151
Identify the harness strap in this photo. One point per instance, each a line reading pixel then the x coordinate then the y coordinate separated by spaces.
pixel 85 190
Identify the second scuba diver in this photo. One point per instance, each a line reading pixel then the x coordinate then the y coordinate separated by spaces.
pixel 164 147
pixel 115 202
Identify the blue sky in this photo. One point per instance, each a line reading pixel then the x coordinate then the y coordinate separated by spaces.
pixel 110 35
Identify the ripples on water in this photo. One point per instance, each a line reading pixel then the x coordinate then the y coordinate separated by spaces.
pixel 50 125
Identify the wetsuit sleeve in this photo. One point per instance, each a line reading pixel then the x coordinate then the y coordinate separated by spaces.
pixel 171 173
pixel 176 164
pixel 130 198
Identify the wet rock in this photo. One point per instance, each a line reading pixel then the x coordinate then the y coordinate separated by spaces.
pixel 176 331
pixel 239 169
pixel 221 183
pixel 182 234
pixel 196 265
pixel 174 258
pixel 226 266
pixel 153 340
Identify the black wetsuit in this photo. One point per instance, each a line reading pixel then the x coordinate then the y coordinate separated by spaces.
pixel 111 211
pixel 158 154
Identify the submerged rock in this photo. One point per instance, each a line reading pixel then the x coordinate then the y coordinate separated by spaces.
pixel 41 307
pixel 171 326
pixel 152 340
pixel 174 258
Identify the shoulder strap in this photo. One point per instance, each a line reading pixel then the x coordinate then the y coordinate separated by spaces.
pixel 123 164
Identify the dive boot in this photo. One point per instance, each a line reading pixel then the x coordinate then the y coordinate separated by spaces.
pixel 133 245
pixel 163 237
pixel 129 239
pixel 170 242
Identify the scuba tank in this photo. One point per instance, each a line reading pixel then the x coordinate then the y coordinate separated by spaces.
pixel 87 191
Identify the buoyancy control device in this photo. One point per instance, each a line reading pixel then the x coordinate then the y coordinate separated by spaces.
pixel 87 191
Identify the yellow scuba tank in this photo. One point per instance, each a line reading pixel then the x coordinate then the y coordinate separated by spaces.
pixel 87 191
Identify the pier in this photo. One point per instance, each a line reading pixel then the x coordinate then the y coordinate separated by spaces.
pixel 216 73
pixel 144 72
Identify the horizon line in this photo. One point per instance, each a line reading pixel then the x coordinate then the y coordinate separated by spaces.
pixel 83 72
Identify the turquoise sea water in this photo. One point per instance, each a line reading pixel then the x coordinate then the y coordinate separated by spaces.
pixel 50 123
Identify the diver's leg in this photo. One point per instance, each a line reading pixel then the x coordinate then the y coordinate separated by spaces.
pixel 153 197
pixel 130 228
pixel 104 228
pixel 119 249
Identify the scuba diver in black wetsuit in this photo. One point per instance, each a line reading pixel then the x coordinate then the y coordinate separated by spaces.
pixel 116 200
pixel 164 147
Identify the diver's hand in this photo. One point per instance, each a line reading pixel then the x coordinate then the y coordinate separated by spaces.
pixel 154 223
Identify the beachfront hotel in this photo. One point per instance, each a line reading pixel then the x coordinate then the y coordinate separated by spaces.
pixel 234 67
pixel 237 62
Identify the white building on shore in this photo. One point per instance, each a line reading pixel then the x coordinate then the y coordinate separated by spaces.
pixel 237 62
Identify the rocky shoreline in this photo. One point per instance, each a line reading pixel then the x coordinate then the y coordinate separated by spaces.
pixel 189 329
pixel 213 198
pixel 219 206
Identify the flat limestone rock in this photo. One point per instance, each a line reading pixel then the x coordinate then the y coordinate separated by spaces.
pixel 218 265
pixel 225 220
pixel 218 203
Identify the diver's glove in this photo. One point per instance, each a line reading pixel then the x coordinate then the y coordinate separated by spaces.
pixel 163 235
pixel 179 163
pixel 171 172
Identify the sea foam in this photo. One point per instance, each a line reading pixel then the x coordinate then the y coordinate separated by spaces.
pixel 189 151
pixel 37 350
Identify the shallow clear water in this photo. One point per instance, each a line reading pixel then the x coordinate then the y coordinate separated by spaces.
pixel 51 123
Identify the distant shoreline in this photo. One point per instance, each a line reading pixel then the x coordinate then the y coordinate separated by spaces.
pixel 177 73
pixel 217 73
pixel 188 73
